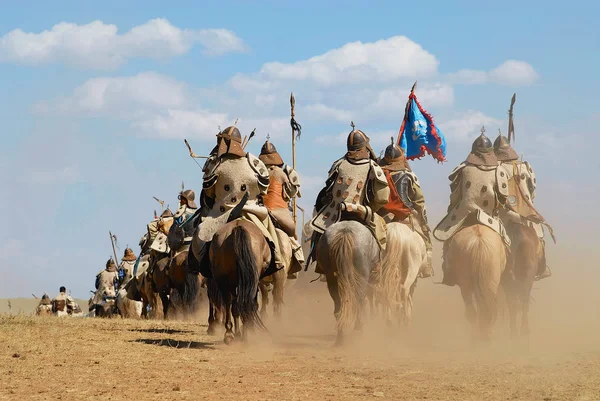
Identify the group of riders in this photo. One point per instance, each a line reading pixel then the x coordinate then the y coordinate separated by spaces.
pixel 491 187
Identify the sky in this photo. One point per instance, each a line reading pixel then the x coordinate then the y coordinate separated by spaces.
pixel 96 99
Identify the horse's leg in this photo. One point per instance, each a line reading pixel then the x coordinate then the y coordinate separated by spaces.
pixel 164 297
pixel 235 310
pixel 470 311
pixel 525 295
pixel 228 324
pixel 332 286
pixel 509 285
pixel 211 318
pixel 279 279
pixel 264 298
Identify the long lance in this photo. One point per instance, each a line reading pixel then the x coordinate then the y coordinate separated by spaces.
pixel 406 108
pixel 511 126
pixel 295 128
pixel 113 238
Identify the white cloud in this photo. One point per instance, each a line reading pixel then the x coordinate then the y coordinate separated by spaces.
pixel 121 95
pixel 511 72
pixel 320 111
pixel 356 62
pixel 99 46
pixel 467 126
pixel 200 124
pixel 514 72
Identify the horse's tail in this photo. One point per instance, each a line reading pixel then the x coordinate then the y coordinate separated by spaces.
pixel 214 294
pixel 350 282
pixel 394 267
pixel 248 277
pixel 189 296
pixel 482 260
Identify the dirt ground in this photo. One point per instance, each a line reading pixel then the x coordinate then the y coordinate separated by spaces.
pixel 95 359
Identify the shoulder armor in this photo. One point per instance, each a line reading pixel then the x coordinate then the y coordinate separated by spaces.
pixel 402 186
pixel 210 180
pixel 377 173
pixel 259 168
pixel 294 181
pixel 335 166
pixel 413 178
pixel 502 180
pixel 455 173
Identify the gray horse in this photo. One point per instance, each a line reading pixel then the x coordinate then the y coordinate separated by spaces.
pixel 347 253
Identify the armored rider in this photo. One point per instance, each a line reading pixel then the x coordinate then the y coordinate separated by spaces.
pixel 234 175
pixel 126 266
pixel 356 189
pixel 107 282
pixel 478 190
pixel 187 208
pixel 519 208
pixel 406 203
pixel 284 184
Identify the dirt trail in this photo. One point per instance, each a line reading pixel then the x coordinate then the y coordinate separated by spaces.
pixel 94 359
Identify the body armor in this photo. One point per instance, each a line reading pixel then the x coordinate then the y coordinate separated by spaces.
pixel 182 218
pixel 106 284
pixel 126 271
pixel 231 179
pixel 478 192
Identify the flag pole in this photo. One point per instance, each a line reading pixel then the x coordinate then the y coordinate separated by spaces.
pixel 412 91
pixel 113 247
pixel 292 121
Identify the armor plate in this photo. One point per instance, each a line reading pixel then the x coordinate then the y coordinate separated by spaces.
pixel 475 188
pixel 349 186
pixel 235 177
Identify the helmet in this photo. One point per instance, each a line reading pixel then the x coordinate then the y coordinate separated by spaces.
pixel 394 158
pixel 129 256
pixel 269 155
pixel 111 265
pixel 166 214
pixel 230 142
pixel 189 196
pixel 358 145
pixel 482 151
pixel 503 150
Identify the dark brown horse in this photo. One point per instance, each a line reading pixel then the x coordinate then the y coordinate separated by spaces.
pixel 239 255
pixel 527 257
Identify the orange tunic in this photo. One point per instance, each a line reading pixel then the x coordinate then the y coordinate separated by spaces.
pixel 274 197
pixel 395 204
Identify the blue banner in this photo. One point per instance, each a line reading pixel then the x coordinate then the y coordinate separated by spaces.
pixel 419 134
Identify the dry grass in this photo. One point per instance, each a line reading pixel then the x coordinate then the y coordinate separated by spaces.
pixel 94 359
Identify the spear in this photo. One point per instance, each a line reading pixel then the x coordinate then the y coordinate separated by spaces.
pixel 295 128
pixel 162 203
pixel 192 154
pixel 246 141
pixel 511 127
pixel 412 91
pixel 113 239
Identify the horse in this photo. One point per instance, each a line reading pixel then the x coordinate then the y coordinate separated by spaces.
pixel 477 256
pixel 347 252
pixel 527 254
pixel 128 308
pixel 239 255
pixel 404 256
pixel 278 279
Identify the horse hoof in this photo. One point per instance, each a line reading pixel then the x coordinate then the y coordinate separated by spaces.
pixel 210 331
pixel 228 339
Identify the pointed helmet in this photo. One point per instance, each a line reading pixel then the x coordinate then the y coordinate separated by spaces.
pixel 269 155
pixel 230 142
pixel 394 158
pixel 189 195
pixel 482 151
pixel 358 145
pixel 129 256
pixel 504 152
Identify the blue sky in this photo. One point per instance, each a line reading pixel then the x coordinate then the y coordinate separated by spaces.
pixel 96 100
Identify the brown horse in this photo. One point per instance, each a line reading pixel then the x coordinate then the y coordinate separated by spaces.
pixel 527 256
pixel 185 285
pixel 239 255
pixel 477 256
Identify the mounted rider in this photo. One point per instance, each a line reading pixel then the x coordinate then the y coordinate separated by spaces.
pixel 356 189
pixel 406 203
pixel 233 188
pixel 126 267
pixel 478 191
pixel 63 304
pixel 107 282
pixel 187 208
pixel 284 184
pixel 519 208
pixel 44 307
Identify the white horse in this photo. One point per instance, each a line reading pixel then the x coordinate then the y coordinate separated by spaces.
pixel 404 256
pixel 278 279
